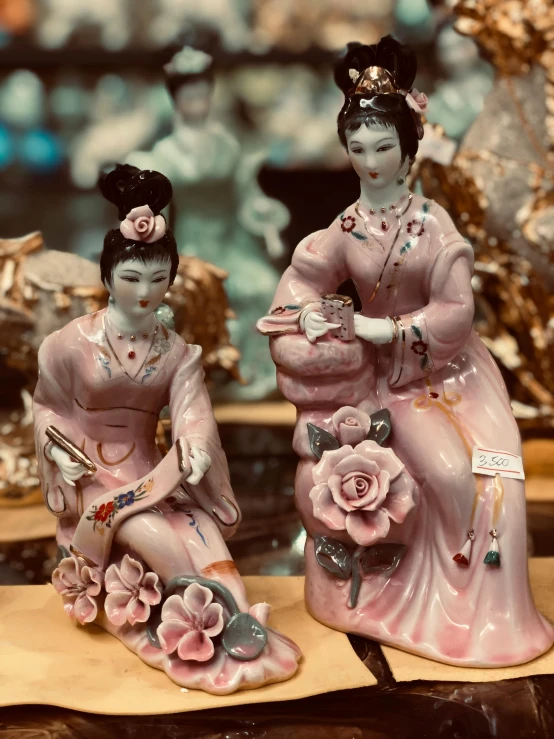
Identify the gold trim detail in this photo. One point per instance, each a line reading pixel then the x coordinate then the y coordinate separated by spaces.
pixel 118 461
pixel 58 514
pixel 224 523
pixel 113 408
pixel 77 553
pixel 70 448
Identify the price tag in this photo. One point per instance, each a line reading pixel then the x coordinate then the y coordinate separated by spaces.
pixel 495 462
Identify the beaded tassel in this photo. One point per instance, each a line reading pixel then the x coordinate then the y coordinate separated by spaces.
pixel 492 557
pixel 464 555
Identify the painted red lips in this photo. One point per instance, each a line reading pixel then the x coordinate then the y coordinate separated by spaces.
pixel 373 175
pixel 143 303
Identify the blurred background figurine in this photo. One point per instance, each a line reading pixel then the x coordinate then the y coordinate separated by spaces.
pixel 62 18
pixel 221 214
pixel 226 18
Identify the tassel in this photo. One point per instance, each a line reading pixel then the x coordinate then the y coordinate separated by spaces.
pixel 492 557
pixel 464 555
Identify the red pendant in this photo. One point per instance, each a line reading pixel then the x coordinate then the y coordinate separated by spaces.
pixel 384 225
pixel 131 355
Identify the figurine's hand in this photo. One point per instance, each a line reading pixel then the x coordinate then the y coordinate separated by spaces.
pixel 200 463
pixel 314 325
pixel 69 469
pixel 376 330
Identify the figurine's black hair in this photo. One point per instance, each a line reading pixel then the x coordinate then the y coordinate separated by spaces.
pixel 175 80
pixel 389 110
pixel 128 187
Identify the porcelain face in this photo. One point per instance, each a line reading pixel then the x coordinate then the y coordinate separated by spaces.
pixel 193 101
pixel 138 288
pixel 375 155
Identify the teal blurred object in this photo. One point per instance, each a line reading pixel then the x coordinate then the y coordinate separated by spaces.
pixel 41 151
pixel 458 100
pixel 7 146
pixel 415 17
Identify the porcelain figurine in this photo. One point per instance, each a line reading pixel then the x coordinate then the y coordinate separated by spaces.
pixel 222 216
pixel 143 538
pixel 405 543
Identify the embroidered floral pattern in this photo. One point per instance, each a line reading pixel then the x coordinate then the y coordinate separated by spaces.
pixel 131 592
pixel 80 586
pixel 106 512
pixel 189 622
pixel 419 347
pixel 415 228
pixel 348 224
pixel 285 310
pixel 196 526
pixel 105 359
pixel 161 345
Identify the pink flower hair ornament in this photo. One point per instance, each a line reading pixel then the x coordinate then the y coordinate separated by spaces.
pixel 141 224
pixel 416 100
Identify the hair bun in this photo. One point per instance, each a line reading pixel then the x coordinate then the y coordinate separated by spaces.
pixel 390 54
pixel 128 187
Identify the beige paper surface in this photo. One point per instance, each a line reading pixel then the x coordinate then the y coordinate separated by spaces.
pixel 26 523
pixel 46 659
pixel 406 667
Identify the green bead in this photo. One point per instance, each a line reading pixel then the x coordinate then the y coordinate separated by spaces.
pixel 492 558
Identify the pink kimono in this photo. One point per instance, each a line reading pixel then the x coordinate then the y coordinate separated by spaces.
pixel 85 394
pixel 445 395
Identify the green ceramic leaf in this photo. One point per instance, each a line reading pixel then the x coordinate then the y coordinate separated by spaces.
pixel 359 236
pixel 417 331
pixel 321 440
pixel 424 361
pixel 333 557
pixel 381 559
pixel 380 426
pixel 426 207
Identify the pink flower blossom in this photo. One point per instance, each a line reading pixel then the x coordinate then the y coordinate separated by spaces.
pixel 361 490
pixel 80 586
pixel 351 425
pixel 417 100
pixel 188 623
pixel 142 225
pixel 131 592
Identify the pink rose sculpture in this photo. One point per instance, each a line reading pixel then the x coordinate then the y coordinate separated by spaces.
pixel 361 490
pixel 142 225
pixel 351 425
pixel 131 592
pixel 80 587
pixel 417 100
pixel 189 622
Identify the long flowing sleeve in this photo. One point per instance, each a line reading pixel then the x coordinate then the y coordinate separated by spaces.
pixel 432 336
pixel 52 406
pixel 192 418
pixel 318 266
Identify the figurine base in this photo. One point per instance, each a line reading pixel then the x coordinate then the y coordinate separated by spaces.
pixel 222 675
pixel 435 638
pixel 47 659
pixel 406 667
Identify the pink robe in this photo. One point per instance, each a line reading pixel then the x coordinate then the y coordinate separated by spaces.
pixel 445 395
pixel 84 392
